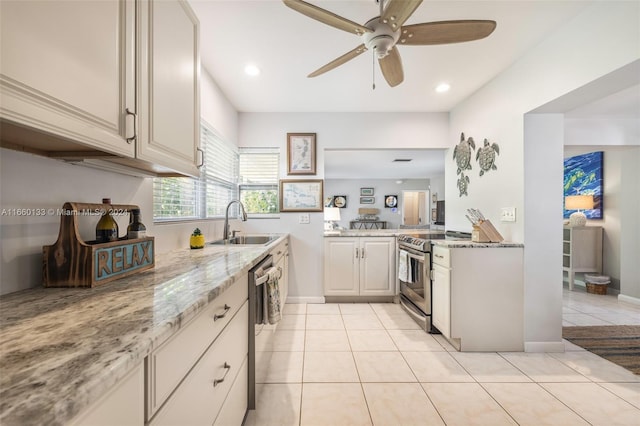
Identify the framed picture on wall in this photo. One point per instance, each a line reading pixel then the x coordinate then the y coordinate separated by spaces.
pixel 340 201
pixel 301 153
pixel 367 200
pixel 301 196
pixel 391 201
pixel 366 191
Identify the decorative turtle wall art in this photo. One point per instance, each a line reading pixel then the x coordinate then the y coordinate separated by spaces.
pixel 462 153
pixel 486 157
pixel 463 184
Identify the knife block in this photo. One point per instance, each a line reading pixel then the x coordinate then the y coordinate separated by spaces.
pixel 485 232
pixel 72 262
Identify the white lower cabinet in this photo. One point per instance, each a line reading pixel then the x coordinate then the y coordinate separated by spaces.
pixel 441 299
pixel 123 405
pixel 359 266
pixel 478 297
pixel 235 406
pixel 281 261
pixel 202 393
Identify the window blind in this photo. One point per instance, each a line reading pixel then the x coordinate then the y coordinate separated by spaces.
pixel 259 171
pixel 207 196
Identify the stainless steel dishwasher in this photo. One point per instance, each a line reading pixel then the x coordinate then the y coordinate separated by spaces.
pixel 260 334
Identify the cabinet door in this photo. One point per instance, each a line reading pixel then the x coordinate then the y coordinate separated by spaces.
pixel 377 266
pixel 123 405
pixel 67 69
pixel 441 296
pixel 168 75
pixel 341 266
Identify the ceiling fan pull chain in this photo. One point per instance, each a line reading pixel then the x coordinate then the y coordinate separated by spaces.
pixel 373 68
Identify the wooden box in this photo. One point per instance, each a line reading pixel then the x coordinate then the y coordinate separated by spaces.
pixel 71 262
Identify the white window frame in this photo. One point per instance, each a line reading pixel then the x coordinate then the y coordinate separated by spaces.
pixel 274 185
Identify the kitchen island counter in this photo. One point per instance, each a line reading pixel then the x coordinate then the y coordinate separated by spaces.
pixel 63 348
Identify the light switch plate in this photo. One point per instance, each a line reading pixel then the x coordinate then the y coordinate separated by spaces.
pixel 304 218
pixel 508 214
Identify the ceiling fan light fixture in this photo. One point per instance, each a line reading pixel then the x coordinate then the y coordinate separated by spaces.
pixel 443 87
pixel 252 70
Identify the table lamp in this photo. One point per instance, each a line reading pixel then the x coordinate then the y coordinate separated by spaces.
pixel 578 202
pixel 331 215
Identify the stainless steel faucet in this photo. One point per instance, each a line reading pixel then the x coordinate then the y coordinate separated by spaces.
pixel 243 217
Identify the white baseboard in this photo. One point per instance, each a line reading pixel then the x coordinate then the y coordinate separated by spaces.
pixel 628 299
pixel 295 300
pixel 544 346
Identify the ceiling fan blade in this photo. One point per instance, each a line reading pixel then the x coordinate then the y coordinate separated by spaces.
pixel 339 61
pixel 391 66
pixel 326 17
pixel 398 11
pixel 445 32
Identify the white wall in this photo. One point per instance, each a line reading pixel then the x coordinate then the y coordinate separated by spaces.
pixel 603 38
pixel 29 181
pixel 382 187
pixel 334 130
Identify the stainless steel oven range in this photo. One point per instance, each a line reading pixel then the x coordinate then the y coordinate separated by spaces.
pixel 414 273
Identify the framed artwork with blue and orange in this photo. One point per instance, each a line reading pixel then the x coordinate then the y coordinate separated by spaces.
pixel 583 176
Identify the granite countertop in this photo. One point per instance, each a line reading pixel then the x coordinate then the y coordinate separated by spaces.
pixel 62 348
pixel 471 244
pixel 379 232
pixel 449 242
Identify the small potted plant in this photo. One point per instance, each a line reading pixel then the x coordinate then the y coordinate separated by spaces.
pixel 196 241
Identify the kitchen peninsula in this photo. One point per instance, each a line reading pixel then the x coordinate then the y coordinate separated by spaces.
pixel 64 348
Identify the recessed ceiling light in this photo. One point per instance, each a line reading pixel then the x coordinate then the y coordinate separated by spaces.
pixel 251 70
pixel 443 87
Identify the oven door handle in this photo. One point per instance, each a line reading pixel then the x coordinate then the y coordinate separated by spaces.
pixel 413 256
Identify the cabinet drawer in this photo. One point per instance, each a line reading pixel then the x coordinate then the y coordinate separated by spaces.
pixel 235 406
pixel 200 396
pixel 280 250
pixel 171 361
pixel 441 256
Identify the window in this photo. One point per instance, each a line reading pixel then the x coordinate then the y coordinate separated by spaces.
pixel 259 180
pixel 207 196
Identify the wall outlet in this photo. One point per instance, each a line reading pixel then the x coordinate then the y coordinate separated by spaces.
pixel 304 218
pixel 508 214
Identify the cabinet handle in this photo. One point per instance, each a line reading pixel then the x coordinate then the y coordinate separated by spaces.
pixel 202 156
pixel 356 253
pixel 135 126
pixel 362 253
pixel 216 382
pixel 438 256
pixel 216 317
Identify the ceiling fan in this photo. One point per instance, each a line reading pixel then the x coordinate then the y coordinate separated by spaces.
pixel 381 34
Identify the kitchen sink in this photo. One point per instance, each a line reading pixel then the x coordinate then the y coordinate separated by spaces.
pixel 246 240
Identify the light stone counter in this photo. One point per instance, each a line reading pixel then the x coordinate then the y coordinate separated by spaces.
pixel 61 349
pixel 379 232
pixel 470 244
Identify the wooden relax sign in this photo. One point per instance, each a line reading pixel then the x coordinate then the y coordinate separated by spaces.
pixel 71 262
pixel 112 261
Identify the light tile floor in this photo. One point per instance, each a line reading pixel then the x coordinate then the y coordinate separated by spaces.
pixel 364 364
pixel 582 308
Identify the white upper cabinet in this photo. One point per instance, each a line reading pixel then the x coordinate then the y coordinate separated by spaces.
pixel 112 79
pixel 67 69
pixel 168 76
